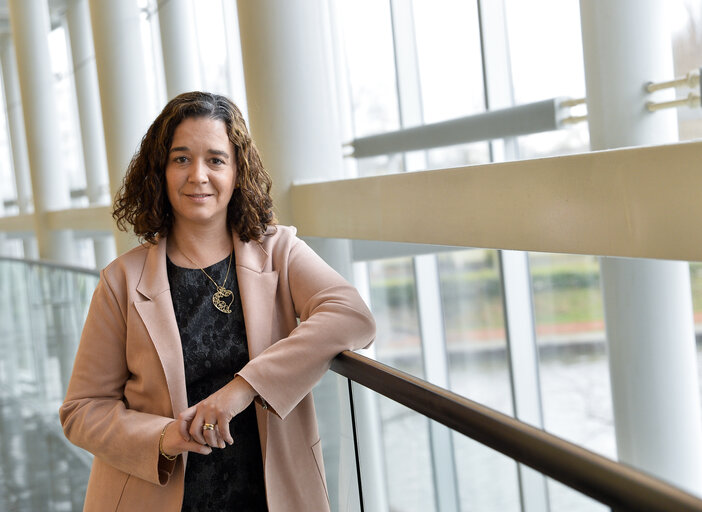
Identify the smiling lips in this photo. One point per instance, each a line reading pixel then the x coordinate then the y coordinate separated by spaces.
pixel 198 196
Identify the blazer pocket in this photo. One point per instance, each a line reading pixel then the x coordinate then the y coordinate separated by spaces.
pixel 319 461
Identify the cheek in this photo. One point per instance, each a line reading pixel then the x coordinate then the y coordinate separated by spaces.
pixel 171 185
pixel 230 185
pixel 229 193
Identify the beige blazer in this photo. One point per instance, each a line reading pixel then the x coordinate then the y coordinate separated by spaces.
pixel 128 380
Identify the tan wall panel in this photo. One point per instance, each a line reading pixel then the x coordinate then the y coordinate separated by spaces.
pixel 94 218
pixel 17 223
pixel 634 202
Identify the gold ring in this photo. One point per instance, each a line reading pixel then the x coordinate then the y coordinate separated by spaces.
pixel 208 426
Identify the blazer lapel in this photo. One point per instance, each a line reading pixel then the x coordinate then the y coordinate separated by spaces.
pixel 157 313
pixel 257 290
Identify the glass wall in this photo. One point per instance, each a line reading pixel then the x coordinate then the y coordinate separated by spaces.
pixel 544 57
pixel 685 19
pixel 394 303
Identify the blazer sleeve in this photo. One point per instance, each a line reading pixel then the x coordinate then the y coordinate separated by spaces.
pixel 333 318
pixel 94 414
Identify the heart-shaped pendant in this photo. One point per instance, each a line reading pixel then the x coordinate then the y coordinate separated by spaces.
pixel 221 293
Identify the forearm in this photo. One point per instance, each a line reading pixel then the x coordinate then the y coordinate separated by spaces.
pixel 288 370
pixel 124 438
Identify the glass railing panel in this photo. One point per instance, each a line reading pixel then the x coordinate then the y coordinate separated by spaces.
pixel 333 407
pixel 566 499
pixel 42 311
pixel 407 457
pixel 485 479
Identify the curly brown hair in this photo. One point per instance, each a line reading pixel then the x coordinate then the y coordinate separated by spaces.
pixel 142 202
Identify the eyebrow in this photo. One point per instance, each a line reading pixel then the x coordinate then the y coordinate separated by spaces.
pixel 210 151
pixel 218 152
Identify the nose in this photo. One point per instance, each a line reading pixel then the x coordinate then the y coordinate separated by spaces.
pixel 198 172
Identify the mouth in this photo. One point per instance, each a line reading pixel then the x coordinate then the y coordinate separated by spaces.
pixel 198 198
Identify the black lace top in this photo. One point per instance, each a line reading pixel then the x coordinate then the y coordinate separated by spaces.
pixel 214 349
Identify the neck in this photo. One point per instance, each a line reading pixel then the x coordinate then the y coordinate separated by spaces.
pixel 203 246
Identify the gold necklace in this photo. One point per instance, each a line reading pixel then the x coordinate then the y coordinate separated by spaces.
pixel 221 292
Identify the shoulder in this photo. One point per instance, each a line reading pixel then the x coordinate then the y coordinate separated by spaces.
pixel 279 238
pixel 126 270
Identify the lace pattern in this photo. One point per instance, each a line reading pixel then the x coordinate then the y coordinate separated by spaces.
pixel 214 349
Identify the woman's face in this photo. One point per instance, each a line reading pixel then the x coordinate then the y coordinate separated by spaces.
pixel 200 173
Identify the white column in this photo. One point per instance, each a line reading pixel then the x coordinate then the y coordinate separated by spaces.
pixel 18 137
pixel 176 19
pixel 289 91
pixel 237 88
pixel 88 95
pixel 293 116
pixel 126 109
pixel 3 238
pixel 15 118
pixel 648 305
pixel 92 136
pixel 30 26
pixel 2 235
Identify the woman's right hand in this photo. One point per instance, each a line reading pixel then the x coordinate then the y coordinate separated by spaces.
pixel 175 444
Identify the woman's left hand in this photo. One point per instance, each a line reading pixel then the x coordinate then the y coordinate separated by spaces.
pixel 217 409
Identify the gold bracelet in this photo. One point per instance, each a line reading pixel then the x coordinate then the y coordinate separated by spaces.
pixel 160 445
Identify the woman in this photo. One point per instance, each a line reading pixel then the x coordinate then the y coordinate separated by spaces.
pixel 191 385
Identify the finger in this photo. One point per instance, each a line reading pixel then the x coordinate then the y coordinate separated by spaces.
pixel 210 435
pixel 184 420
pixel 202 449
pixel 223 424
pixel 220 440
pixel 182 427
pixel 188 414
pixel 196 430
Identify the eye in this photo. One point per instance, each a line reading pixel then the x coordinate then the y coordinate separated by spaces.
pixel 180 159
pixel 217 161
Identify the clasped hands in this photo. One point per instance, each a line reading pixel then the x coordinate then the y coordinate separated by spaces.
pixel 185 433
